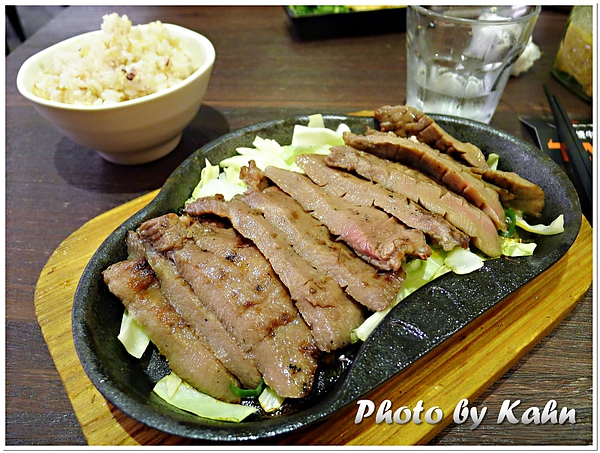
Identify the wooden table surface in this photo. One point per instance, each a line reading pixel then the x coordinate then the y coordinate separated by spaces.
pixel 54 186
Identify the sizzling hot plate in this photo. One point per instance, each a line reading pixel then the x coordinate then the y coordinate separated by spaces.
pixel 416 326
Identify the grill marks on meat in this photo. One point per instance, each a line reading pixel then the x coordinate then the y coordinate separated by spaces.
pixel 437 165
pixel 166 232
pixel 291 343
pixel 235 282
pixel 514 191
pixel 374 235
pixel 227 274
pixel 259 299
pixel 407 122
pixel 135 284
pixel 366 193
pixel 423 190
pixel 311 239
pixel 207 326
pixel 330 314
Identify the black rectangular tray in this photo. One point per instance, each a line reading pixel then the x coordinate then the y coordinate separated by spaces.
pixel 345 24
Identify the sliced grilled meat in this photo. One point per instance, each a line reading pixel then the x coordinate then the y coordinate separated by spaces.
pixel 291 343
pixel 437 165
pixel 136 285
pixel 375 236
pixel 206 325
pixel 330 314
pixel 517 192
pixel 366 193
pixel 407 122
pixel 232 278
pixel 513 190
pixel 374 289
pixel 421 189
pixel 166 232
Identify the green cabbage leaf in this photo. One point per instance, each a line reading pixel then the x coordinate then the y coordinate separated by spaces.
pixel 179 393
pixel 132 336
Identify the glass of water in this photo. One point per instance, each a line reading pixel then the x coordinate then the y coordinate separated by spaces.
pixel 459 57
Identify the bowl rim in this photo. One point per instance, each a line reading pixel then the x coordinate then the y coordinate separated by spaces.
pixel 177 29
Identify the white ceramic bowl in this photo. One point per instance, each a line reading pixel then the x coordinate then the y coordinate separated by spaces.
pixel 131 132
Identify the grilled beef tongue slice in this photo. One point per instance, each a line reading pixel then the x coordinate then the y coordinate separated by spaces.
pixel 370 287
pixel 136 285
pixel 407 122
pixel 365 193
pixel 214 264
pixel 423 190
pixel 435 164
pixel 232 278
pixel 328 311
pixel 181 296
pixel 515 191
pixel 374 235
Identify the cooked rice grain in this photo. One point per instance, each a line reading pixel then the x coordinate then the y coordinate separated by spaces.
pixel 123 63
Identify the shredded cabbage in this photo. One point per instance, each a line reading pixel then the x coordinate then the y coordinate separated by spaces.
pixel 132 336
pixel 212 182
pixel 314 138
pixel 556 227
pixel 315 121
pixel 492 161
pixel 182 395
pixel 418 273
pixel 461 261
pixel 269 400
pixel 514 247
pixel 308 136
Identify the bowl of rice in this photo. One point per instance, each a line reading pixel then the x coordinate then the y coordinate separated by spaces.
pixel 125 91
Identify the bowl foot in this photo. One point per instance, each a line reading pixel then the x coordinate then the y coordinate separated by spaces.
pixel 143 157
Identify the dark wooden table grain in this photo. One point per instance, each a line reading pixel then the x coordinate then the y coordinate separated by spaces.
pixel 54 186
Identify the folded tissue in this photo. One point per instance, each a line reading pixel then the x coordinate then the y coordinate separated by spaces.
pixel 525 61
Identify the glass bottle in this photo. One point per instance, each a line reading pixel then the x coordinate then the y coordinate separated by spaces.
pixel 574 59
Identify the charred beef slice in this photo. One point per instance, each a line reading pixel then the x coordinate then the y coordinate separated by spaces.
pixel 136 285
pixel 365 193
pixel 328 311
pixel 423 190
pixel 372 288
pixel 435 164
pixel 234 281
pixel 377 237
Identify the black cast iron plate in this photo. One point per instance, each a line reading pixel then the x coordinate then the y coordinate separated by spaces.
pixel 412 329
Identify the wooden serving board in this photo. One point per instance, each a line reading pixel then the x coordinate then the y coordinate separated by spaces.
pixel 442 378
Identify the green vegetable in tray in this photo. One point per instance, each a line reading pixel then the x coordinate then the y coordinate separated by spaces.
pixel 301 10
pixel 511 222
pixel 269 400
pixel 247 393
pixel 556 227
pixel 132 336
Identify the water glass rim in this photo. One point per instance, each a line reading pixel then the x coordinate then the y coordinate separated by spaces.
pixel 536 9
